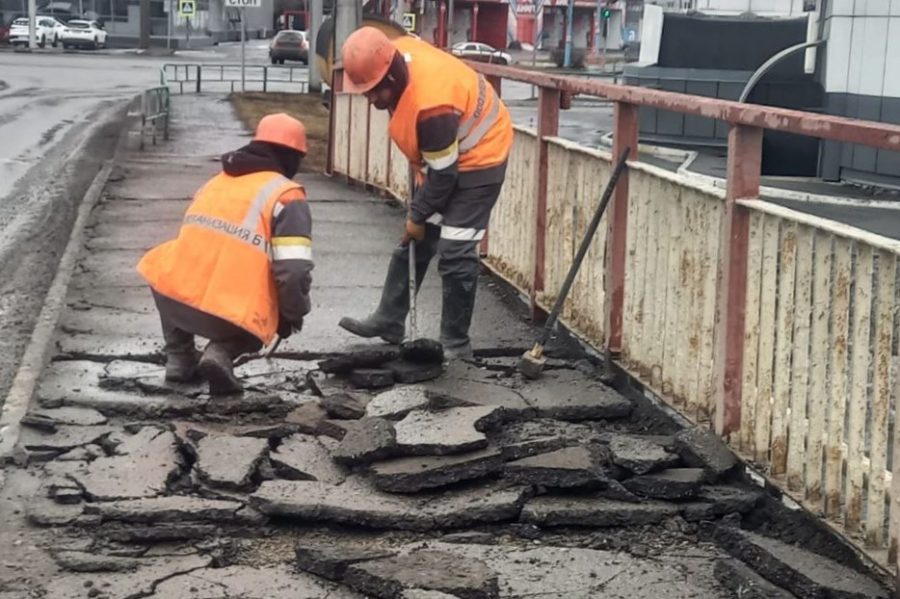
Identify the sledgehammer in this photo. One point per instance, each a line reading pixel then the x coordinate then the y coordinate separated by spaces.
pixel 532 362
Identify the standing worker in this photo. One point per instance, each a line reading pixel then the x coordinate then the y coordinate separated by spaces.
pixel 457 133
pixel 239 270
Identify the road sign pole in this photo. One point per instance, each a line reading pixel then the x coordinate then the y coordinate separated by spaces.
pixel 32 24
pixel 243 51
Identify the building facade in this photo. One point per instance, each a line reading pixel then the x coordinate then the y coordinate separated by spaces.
pixel 523 23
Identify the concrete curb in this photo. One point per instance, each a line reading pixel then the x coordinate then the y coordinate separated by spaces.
pixel 38 351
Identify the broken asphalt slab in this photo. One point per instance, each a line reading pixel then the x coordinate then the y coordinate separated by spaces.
pixel 356 502
pixel 174 508
pixel 454 430
pixel 396 403
pixel 301 457
pixel 716 501
pixel 745 583
pixel 640 455
pixel 700 447
pixel 390 577
pixel 248 582
pixel 148 460
pixel 414 474
pixel 344 405
pixel 366 440
pixel 521 439
pixel 594 511
pixel 229 462
pixel 332 560
pixel 564 468
pixel 672 484
pixel 568 395
pixel 140 582
pixel 50 418
pixel 562 572
pixel 801 572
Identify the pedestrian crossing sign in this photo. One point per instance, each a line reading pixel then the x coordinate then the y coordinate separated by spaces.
pixel 409 21
pixel 187 8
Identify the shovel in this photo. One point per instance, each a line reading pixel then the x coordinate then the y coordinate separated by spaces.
pixel 415 349
pixel 532 362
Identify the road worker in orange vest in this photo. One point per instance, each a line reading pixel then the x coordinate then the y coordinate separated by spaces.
pixel 239 271
pixel 457 133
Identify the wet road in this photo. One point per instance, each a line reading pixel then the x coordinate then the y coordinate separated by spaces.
pixel 43 97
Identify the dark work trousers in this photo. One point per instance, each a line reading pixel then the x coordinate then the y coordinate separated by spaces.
pixel 453 236
pixel 180 323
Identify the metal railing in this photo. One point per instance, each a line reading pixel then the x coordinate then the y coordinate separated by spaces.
pixel 155 107
pixel 777 328
pixel 213 77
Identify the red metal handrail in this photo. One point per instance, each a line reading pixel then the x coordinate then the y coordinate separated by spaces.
pixel 870 133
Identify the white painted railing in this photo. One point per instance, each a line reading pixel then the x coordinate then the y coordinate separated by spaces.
pixel 510 250
pixel 820 374
pixel 820 378
pixel 670 287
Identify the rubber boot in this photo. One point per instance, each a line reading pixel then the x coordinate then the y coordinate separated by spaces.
pixel 388 321
pixel 181 355
pixel 217 367
pixel 456 316
pixel 181 366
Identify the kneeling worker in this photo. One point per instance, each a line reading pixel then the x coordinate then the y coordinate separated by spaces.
pixel 239 270
pixel 455 130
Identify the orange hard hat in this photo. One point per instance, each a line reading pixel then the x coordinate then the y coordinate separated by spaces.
pixel 367 55
pixel 283 130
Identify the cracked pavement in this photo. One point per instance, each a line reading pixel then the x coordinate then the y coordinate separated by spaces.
pixel 474 484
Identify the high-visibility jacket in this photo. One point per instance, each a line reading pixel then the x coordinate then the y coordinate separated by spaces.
pixel 438 79
pixel 220 263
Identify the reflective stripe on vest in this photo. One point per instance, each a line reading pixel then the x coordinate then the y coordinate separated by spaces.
pixel 246 232
pixel 472 129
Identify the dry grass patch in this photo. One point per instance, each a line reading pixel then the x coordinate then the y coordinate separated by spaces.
pixel 252 106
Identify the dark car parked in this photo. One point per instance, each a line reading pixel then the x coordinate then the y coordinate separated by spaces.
pixel 289 45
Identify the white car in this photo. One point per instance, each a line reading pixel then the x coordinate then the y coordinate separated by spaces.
pixel 478 52
pixel 47 30
pixel 83 34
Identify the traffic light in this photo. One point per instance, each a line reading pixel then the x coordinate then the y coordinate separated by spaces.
pixel 605 13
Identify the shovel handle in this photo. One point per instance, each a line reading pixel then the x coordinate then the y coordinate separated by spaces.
pixel 585 244
pixel 412 290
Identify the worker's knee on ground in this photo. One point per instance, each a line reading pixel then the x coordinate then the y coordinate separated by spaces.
pixel 458 258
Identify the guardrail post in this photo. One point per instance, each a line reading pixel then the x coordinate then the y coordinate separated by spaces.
pixel 548 126
pixel 743 174
pixel 198 78
pixel 265 78
pixel 337 85
pixel 625 135
pixel 168 98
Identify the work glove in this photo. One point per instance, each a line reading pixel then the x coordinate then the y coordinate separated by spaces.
pixel 413 231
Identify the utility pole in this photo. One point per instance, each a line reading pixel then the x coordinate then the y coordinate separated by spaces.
pixel 346 21
pixel 144 41
pixel 244 50
pixel 315 20
pixel 570 16
pixel 450 11
pixel 32 24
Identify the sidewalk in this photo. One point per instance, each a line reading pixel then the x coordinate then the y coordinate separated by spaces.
pixel 473 484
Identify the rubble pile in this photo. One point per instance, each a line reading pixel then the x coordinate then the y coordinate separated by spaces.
pixel 461 462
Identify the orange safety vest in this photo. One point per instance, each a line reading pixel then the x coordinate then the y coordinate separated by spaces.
pixel 437 78
pixel 220 263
